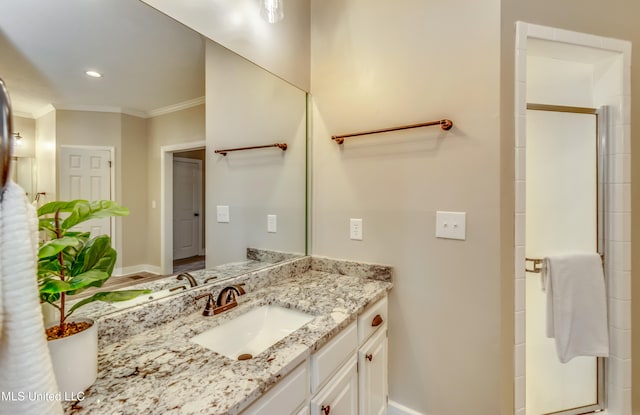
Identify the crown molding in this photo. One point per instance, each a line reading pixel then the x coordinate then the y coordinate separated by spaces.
pixel 176 107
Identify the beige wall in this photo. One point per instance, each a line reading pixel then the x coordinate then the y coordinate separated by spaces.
pixel 134 190
pixel 26 146
pixel 183 126
pixel 380 64
pixel 617 19
pixel 128 136
pixel 247 106
pixel 46 156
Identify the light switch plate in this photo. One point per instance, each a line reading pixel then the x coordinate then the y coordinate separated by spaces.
pixel 451 225
pixel 272 223
pixel 355 229
pixel 222 213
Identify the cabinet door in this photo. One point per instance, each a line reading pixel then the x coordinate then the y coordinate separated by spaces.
pixel 340 395
pixel 372 377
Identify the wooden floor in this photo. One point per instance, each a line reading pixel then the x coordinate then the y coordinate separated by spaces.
pixel 114 283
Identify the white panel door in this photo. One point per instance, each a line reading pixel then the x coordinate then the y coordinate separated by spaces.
pixel 187 202
pixel 561 216
pixel 85 173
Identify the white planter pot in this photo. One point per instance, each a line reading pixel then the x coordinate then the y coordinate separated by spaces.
pixel 75 359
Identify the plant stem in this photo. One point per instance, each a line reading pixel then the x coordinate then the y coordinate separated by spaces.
pixel 62 274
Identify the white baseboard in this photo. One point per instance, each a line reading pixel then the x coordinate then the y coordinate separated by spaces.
pixel 394 408
pixel 134 269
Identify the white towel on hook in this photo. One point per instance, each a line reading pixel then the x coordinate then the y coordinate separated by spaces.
pixel 576 305
pixel 25 364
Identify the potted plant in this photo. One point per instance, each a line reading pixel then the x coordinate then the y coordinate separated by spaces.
pixel 69 262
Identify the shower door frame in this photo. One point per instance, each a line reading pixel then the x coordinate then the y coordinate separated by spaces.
pixel 601 121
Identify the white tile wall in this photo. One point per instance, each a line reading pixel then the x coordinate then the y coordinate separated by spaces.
pixel 618 210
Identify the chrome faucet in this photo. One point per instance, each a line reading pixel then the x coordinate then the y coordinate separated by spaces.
pixel 192 281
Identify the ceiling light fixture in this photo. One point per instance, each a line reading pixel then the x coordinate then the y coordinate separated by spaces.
pixel 272 10
pixel 94 74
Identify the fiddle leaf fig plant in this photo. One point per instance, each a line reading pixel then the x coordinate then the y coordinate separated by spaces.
pixel 70 261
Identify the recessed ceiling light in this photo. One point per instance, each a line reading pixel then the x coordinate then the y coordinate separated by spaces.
pixel 94 74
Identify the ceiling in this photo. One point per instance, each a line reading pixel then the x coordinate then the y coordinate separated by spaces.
pixel 149 61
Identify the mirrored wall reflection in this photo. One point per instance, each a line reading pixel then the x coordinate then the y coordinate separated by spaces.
pixel 23 172
pixel 152 96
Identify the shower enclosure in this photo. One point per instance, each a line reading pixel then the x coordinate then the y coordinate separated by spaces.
pixel 574 71
pixel 564 205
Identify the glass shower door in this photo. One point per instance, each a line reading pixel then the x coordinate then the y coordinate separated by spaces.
pixel 561 216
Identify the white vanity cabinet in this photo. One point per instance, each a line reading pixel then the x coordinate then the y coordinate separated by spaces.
pixel 340 395
pixel 373 360
pixel 347 376
pixel 288 397
pixel 372 375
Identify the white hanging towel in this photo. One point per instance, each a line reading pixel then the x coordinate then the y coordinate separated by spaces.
pixel 26 375
pixel 576 305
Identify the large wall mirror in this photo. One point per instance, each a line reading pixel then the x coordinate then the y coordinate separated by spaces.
pixel 168 98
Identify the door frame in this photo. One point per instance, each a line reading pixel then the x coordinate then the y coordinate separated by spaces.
pixel 200 196
pixel 166 201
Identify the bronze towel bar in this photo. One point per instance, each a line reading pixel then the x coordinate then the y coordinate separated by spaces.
pixel 537 264
pixel 281 146
pixel 444 124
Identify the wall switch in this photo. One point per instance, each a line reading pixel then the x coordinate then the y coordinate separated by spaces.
pixel 355 229
pixel 272 223
pixel 153 204
pixel 222 213
pixel 451 225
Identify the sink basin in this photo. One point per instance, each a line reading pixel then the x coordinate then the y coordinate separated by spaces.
pixel 142 299
pixel 252 332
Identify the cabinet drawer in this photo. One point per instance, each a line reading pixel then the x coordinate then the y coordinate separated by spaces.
pixel 286 397
pixel 328 359
pixel 340 395
pixel 372 319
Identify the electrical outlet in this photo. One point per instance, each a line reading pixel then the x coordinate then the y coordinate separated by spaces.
pixel 355 229
pixel 222 213
pixel 451 225
pixel 272 223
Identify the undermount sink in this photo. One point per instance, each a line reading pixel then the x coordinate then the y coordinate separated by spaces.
pixel 253 332
pixel 142 299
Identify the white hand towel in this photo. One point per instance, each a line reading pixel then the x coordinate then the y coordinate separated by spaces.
pixel 26 374
pixel 576 305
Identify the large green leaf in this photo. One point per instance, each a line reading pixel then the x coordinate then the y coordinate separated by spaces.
pixel 53 207
pixel 53 247
pixel 91 278
pixel 55 286
pixel 83 211
pixel 109 297
pixel 97 254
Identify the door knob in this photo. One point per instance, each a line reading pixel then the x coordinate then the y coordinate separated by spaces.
pixel 326 410
pixel 196 214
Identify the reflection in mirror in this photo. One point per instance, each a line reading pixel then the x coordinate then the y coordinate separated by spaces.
pixel 148 111
pixel 23 172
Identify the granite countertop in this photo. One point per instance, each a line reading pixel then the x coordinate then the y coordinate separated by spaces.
pixel 159 371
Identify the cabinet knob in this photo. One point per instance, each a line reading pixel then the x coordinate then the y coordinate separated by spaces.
pixel 377 320
pixel 369 357
pixel 326 410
